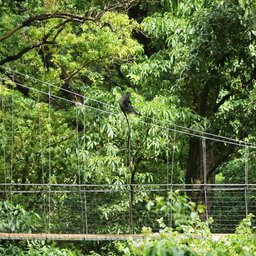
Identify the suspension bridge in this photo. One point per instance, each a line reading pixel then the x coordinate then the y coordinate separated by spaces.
pixel 65 214
pixel 81 211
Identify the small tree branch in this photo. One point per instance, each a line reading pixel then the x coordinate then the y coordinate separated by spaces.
pixel 74 73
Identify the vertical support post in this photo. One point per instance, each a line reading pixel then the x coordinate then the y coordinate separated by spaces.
pixel 12 138
pixel 130 208
pixel 173 153
pixel 49 159
pixel 84 164
pixel 85 212
pixel 246 178
pixel 205 175
pixel 168 176
pixel 4 142
pixel 131 172
pixel 167 160
pixel 42 162
pixel 78 166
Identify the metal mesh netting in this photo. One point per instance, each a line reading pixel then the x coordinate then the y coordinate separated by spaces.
pixel 96 209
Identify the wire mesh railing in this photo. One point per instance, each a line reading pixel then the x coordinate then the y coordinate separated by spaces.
pixel 105 209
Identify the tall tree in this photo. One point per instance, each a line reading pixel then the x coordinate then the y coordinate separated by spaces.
pixel 203 52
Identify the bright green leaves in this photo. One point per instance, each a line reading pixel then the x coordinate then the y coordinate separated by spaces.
pixel 104 142
pixel 14 218
pixel 97 46
pixel 246 227
pixel 36 139
pixel 183 212
pixel 150 69
pixel 188 235
pixel 159 26
pixel 90 49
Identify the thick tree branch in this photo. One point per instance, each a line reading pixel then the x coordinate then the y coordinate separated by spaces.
pixel 74 73
pixel 60 141
pixel 29 22
pixel 43 41
pixel 66 16
pixel 251 80
pixel 67 82
pixel 244 85
pixel 204 98
pixel 23 51
pixel 221 102
pixel 219 162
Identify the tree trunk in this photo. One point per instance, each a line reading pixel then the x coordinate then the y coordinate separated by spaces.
pixel 200 161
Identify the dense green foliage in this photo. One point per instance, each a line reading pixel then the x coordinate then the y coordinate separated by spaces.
pixel 65 64
pixel 196 238
pixel 14 218
pixel 198 75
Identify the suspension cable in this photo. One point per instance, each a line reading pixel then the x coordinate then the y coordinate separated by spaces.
pixel 206 135
pixel 194 133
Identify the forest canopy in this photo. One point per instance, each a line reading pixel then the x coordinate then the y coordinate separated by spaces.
pixel 186 64
pixel 190 69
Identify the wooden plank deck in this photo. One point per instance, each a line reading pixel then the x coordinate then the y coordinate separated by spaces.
pixel 75 237
pixel 83 237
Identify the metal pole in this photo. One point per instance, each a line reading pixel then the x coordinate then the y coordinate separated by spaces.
pixel 12 139
pixel 4 142
pixel 246 171
pixel 49 160
pixel 84 165
pixel 167 176
pixel 170 216
pixel 205 175
pixel 167 160
pixel 129 164
pixel 78 166
pixel 85 212
pixel 130 208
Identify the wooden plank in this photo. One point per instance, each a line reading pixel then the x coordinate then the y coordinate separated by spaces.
pixel 84 237
pixel 88 237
